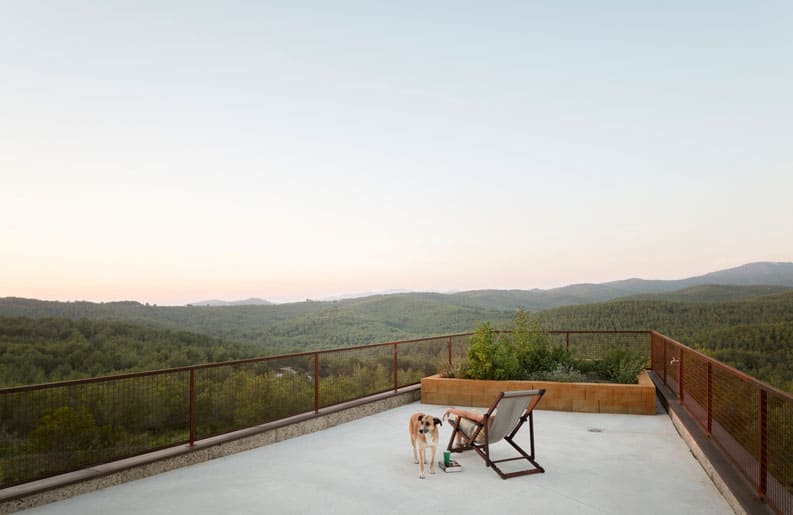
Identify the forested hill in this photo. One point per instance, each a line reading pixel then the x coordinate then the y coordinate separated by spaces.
pixel 298 326
pixel 741 325
pixel 680 320
pixel 755 336
pixel 238 323
pixel 713 293
pixel 53 349
pixel 51 341
pixel 283 328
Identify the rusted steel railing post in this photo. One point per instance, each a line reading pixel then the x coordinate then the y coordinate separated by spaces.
pixel 316 382
pixel 710 398
pixel 652 351
pixel 567 341
pixel 664 340
pixel 763 479
pixel 680 372
pixel 396 369
pixel 450 351
pixel 192 407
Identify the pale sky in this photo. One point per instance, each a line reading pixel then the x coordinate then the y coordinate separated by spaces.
pixel 169 152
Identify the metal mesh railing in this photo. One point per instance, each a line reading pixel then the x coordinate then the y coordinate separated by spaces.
pixel 779 451
pixel 350 374
pixel 735 425
pixel 595 345
pixel 695 379
pixel 459 350
pixel 236 396
pixel 421 359
pixel 751 421
pixel 52 429
pixel 61 427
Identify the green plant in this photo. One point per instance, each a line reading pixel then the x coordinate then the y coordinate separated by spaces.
pixel 491 356
pixel 535 352
pixel 523 353
pixel 526 352
pixel 620 365
pixel 451 370
pixel 561 373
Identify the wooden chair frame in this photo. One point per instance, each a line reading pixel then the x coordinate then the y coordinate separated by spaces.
pixel 483 448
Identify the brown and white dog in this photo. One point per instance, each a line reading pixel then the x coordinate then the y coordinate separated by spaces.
pixel 424 433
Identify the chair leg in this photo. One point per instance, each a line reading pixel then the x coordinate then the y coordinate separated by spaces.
pixel 484 452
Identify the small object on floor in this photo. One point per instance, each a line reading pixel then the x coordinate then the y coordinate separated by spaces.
pixel 453 466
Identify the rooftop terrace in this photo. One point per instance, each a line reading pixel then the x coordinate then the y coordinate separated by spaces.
pixel 595 463
pixel 327 430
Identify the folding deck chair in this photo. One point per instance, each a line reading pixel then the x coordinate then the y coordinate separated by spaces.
pixel 514 408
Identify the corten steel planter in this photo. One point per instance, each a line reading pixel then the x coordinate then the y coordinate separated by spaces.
pixel 636 399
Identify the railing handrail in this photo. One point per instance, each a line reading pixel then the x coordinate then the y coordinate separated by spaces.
pixel 131 375
pixel 188 368
pixel 743 376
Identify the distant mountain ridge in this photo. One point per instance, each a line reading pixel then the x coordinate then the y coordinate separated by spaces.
pixel 762 273
pixel 751 274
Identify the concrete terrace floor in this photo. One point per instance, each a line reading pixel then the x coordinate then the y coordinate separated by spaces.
pixel 635 464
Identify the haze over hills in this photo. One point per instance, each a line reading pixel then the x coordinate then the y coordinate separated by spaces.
pixel 751 274
pixel 761 273
pixel 253 301
pixel 777 275
pixel 314 324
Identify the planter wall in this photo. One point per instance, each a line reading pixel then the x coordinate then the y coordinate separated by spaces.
pixel 638 399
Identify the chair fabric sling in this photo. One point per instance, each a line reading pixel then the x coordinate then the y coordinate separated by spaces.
pixel 511 410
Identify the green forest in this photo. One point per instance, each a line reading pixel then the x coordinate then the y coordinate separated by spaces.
pixel 54 349
pixel 41 341
pixel 283 328
pixel 754 335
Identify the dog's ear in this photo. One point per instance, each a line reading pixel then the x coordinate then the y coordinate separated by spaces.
pixel 438 422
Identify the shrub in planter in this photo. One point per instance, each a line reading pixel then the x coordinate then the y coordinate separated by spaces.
pixel 560 373
pixel 524 353
pixel 619 365
pixel 535 353
pixel 491 356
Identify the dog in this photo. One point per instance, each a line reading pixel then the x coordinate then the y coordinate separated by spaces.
pixel 424 433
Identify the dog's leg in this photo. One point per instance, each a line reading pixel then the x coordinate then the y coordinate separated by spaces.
pixel 415 455
pixel 421 461
pixel 432 461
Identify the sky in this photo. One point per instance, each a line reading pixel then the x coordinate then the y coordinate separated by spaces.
pixel 171 152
